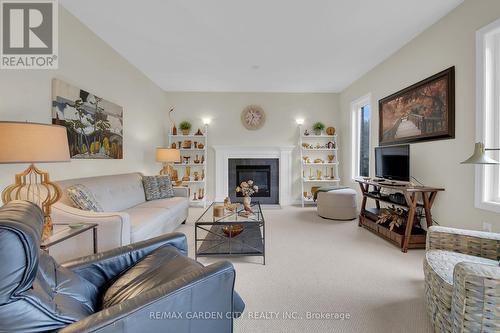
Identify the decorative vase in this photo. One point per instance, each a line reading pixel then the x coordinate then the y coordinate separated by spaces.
pixel 317 132
pixel 247 202
pixel 174 130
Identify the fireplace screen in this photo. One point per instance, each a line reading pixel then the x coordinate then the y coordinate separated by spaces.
pixel 263 171
pixel 260 174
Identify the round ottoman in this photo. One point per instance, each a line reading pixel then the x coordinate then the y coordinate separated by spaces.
pixel 338 204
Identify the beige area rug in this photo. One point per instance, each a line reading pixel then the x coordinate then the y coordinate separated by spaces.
pixel 317 268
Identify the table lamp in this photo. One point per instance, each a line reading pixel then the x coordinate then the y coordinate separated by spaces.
pixel 167 156
pixel 479 156
pixel 33 143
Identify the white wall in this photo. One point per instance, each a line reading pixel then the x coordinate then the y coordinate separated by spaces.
pixel 89 63
pixel 451 41
pixel 280 128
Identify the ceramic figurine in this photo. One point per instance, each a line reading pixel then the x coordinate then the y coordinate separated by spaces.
pixel 194 196
pixel 187 174
pixel 199 132
pixel 174 128
pixel 306 133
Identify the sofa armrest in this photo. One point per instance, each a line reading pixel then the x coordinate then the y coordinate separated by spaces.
pixel 181 191
pixel 476 295
pixel 171 306
pixel 103 267
pixel 476 243
pixel 113 228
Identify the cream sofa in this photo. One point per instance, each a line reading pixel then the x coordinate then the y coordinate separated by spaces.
pixel 127 216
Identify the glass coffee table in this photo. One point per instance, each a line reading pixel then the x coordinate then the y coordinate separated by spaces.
pixel 219 237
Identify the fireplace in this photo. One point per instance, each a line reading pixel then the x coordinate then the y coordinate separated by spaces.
pixel 263 171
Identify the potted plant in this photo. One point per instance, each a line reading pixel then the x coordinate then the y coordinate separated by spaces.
pixel 185 127
pixel 318 128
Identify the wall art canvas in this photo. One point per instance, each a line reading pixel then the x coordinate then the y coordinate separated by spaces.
pixel 95 125
pixel 424 111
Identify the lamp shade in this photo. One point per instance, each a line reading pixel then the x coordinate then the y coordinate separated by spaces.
pixel 479 156
pixel 32 143
pixel 168 155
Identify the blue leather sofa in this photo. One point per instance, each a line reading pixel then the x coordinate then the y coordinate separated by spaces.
pixel 150 286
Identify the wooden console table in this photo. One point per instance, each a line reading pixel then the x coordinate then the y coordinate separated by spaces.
pixel 405 237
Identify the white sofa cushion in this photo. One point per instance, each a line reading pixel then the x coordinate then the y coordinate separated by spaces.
pixel 114 193
pixel 153 218
pixel 175 205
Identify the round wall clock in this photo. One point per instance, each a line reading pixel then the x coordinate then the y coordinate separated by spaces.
pixel 253 117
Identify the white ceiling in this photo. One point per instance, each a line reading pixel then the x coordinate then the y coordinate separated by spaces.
pixel 257 45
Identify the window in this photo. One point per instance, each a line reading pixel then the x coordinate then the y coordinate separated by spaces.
pixel 360 122
pixel 487 194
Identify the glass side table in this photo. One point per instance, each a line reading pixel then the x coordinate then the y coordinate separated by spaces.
pixel 65 231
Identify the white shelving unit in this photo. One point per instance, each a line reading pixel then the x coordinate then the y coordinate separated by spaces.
pixel 327 171
pixel 201 168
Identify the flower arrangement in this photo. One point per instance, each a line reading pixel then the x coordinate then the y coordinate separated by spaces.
pixel 247 188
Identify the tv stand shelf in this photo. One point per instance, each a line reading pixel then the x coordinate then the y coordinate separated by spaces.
pixel 405 237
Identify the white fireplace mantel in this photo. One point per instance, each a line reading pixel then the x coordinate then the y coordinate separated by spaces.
pixel 283 153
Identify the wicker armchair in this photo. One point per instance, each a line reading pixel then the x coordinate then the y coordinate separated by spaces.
pixel 462 280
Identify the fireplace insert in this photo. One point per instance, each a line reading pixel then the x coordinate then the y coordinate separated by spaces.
pixel 263 171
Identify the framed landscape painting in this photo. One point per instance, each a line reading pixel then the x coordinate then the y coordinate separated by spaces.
pixel 94 125
pixel 424 111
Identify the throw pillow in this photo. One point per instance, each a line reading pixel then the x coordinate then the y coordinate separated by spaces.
pixel 83 198
pixel 165 184
pixel 151 187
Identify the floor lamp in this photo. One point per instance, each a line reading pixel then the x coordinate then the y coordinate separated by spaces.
pixel 479 156
pixel 33 143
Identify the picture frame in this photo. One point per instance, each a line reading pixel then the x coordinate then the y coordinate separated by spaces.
pixel 424 111
pixel 94 124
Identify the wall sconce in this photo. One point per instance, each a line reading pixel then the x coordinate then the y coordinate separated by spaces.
pixel 206 121
pixel 299 121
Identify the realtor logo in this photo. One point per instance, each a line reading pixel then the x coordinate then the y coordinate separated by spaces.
pixel 29 34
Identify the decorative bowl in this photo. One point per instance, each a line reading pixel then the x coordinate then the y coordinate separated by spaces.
pixel 232 230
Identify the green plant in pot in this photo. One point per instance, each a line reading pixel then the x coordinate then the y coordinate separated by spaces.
pixel 185 127
pixel 318 128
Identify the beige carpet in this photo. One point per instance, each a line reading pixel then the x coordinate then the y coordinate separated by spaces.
pixel 322 266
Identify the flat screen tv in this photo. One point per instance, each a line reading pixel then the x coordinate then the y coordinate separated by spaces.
pixel 393 162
